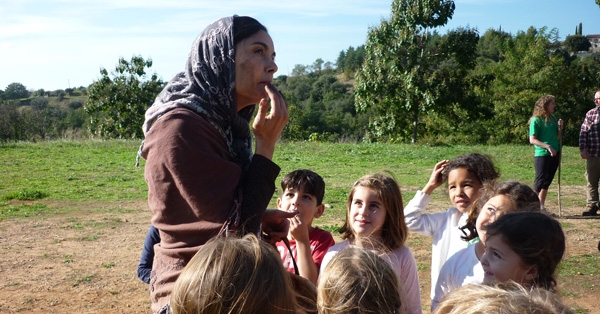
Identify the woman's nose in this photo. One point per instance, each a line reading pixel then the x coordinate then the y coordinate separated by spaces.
pixel 272 67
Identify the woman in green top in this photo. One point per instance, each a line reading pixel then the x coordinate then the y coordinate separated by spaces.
pixel 543 134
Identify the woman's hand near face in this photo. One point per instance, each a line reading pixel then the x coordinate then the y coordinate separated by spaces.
pixel 268 127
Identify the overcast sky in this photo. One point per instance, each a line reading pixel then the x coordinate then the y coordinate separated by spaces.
pixel 56 44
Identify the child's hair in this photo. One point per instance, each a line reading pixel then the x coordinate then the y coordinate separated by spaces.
pixel 540 109
pixel 479 165
pixel 523 198
pixel 357 281
pixel 537 238
pixel 307 180
pixel 508 298
pixel 234 275
pixel 394 230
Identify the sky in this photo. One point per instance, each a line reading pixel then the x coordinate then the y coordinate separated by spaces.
pixel 59 44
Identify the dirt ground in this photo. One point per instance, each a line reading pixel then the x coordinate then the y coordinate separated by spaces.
pixel 86 261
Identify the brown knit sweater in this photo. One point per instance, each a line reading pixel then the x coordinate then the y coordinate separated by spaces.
pixel 192 182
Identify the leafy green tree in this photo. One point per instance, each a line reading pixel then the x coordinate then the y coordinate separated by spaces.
pixel 321 106
pixel 317 66
pixel 394 78
pixel 39 93
pixel 458 110
pixel 528 71
pixel 117 105
pixel 10 122
pixel 75 104
pixel 299 70
pixel 349 61
pixel 60 94
pixel 576 43
pixel 490 44
pixel 15 91
pixel 39 103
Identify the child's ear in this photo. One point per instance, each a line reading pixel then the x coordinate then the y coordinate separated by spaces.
pixel 320 210
pixel 279 203
pixel 532 273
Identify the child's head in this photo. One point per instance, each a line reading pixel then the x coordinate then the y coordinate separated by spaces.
pixel 508 298
pixel 303 191
pixel 525 247
pixel 505 197
pixel 375 210
pixel 465 176
pixel 233 275
pixel 357 281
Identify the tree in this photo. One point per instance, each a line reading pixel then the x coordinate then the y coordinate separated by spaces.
pixel 16 91
pixel 117 105
pixel 528 71
pixel 576 43
pixel 394 78
pixel 299 70
pixel 317 66
pixel 490 44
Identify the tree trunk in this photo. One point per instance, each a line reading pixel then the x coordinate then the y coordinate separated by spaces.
pixel 415 123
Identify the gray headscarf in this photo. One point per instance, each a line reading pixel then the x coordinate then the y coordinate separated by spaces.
pixel 207 87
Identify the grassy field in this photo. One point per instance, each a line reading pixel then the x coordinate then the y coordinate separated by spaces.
pixel 77 173
pixel 73 216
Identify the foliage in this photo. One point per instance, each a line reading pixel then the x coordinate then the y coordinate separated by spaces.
pixel 406 68
pixel 39 103
pixel 529 69
pixel 490 44
pixel 576 43
pixel 116 105
pixel 349 61
pixel 38 121
pixel 442 88
pixel 15 91
pixel 321 107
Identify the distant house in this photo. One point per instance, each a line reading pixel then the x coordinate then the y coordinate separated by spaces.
pixel 595 41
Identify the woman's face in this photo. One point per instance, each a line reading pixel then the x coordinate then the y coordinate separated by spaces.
pixel 551 106
pixel 254 68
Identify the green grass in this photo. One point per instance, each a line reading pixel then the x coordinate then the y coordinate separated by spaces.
pixel 62 176
pixel 586 264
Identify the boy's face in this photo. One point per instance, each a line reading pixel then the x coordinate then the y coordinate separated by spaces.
pixel 303 203
pixel 463 188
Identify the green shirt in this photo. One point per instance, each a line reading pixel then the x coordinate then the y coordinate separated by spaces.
pixel 545 131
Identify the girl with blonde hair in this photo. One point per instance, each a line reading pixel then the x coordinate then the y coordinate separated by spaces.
pixel 375 221
pixel 233 275
pixel 357 281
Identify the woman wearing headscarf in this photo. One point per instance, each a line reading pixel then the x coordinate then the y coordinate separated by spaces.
pixel 203 178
